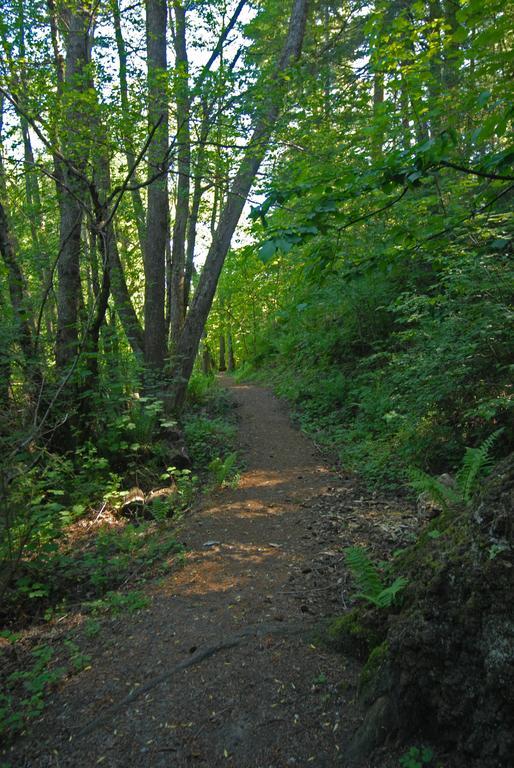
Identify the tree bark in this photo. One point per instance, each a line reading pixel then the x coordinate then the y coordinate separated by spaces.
pixel 187 347
pixel 178 254
pixel 137 201
pixel 16 287
pixel 72 190
pixel 157 206
pixel 222 361
pixel 230 350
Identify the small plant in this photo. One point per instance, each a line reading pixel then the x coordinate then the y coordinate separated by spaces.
pixel 92 627
pixel 224 470
pixel 416 757
pixel 477 463
pixel 369 582
pixel 117 602
pixel 35 682
pixel 78 659
pixel 207 438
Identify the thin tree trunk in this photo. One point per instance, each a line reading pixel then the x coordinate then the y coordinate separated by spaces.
pixel 157 210
pixel 222 359
pixel 72 188
pixel 230 350
pixel 137 200
pixel 378 101
pixel 16 287
pixel 195 322
pixel 178 257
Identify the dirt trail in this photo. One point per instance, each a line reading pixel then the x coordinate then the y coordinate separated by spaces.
pixel 274 699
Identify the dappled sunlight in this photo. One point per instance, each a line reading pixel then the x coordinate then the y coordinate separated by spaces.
pixel 221 568
pixel 259 478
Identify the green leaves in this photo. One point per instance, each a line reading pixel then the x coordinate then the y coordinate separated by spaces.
pixel 369 581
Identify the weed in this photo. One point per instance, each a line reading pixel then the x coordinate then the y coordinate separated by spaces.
pixel 24 696
pixel 118 602
pixel 208 438
pixel 224 470
pixel 92 627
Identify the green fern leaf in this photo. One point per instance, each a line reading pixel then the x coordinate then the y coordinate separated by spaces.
pixel 438 492
pixel 476 463
pixel 388 595
pixel 364 572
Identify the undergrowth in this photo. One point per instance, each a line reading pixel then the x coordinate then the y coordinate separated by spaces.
pixel 394 370
pixel 66 535
pixel 68 543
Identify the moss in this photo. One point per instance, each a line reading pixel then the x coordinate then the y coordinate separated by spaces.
pixel 372 666
pixel 351 633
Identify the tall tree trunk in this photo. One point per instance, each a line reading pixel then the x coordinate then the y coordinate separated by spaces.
pixel 222 359
pixel 198 191
pixel 436 70
pixel 137 200
pixel 16 287
pixel 113 280
pixel 378 101
pixel 157 206
pixel 178 254
pixel 71 194
pixel 187 347
pixel 231 366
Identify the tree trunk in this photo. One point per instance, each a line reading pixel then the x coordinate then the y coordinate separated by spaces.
pixel 71 191
pixel 187 347
pixel 16 288
pixel 15 282
pixel 157 210
pixel 222 362
pixel 378 101
pixel 231 356
pixel 137 201
pixel 178 254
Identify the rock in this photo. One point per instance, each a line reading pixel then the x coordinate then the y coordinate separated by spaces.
pixel 426 506
pixel 380 723
pixel 448 674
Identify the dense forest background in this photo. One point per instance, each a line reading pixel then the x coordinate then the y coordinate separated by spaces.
pixel 380 300
pixel 317 194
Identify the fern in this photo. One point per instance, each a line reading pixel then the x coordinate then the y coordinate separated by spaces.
pixel 368 580
pixel 388 595
pixel 438 492
pixel 222 469
pixel 476 463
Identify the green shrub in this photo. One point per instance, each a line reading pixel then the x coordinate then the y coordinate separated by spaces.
pixel 208 438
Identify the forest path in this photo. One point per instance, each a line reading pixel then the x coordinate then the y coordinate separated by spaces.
pixel 274 699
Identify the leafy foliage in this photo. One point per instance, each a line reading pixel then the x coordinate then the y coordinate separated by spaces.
pixel 417 757
pixel 368 580
pixel 476 464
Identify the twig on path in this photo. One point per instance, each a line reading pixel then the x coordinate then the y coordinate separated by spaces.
pixel 200 655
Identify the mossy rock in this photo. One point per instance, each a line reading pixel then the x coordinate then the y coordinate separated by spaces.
pixel 354 633
pixel 370 672
pixel 446 669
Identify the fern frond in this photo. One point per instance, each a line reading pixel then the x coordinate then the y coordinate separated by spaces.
pixel 476 463
pixel 438 492
pixel 364 572
pixel 388 595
